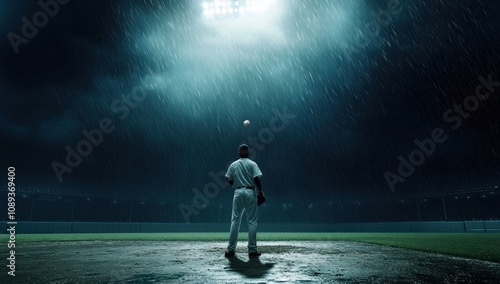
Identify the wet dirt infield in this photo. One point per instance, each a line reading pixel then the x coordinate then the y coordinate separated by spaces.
pixel 204 262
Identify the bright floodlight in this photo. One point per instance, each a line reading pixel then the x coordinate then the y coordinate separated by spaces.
pixel 233 8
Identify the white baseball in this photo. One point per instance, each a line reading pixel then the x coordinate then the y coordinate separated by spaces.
pixel 246 122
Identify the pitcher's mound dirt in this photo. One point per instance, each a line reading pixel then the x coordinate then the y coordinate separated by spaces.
pixel 204 262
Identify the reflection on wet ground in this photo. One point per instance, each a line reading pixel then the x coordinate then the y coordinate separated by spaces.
pixel 204 262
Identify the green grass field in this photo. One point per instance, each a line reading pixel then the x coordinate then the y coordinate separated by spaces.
pixel 474 246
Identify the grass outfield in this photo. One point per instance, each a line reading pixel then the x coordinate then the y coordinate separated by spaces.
pixel 474 246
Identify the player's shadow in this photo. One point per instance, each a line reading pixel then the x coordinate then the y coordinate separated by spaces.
pixel 253 268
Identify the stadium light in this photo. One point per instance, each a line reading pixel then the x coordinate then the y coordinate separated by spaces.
pixel 233 8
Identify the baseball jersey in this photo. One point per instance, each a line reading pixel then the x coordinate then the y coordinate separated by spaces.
pixel 242 172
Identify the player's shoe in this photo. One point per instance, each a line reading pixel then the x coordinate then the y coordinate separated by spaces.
pixel 254 253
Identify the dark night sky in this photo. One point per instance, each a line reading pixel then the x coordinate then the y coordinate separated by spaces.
pixel 354 115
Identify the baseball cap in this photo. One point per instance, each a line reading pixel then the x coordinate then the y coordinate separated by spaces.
pixel 243 147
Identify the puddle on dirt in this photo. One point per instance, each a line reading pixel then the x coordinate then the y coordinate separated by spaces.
pixel 204 262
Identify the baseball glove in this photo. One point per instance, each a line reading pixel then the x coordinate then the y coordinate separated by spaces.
pixel 261 198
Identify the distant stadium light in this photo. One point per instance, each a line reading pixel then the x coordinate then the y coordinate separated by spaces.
pixel 232 8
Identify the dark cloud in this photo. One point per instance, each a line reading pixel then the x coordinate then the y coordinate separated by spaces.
pixel 355 114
